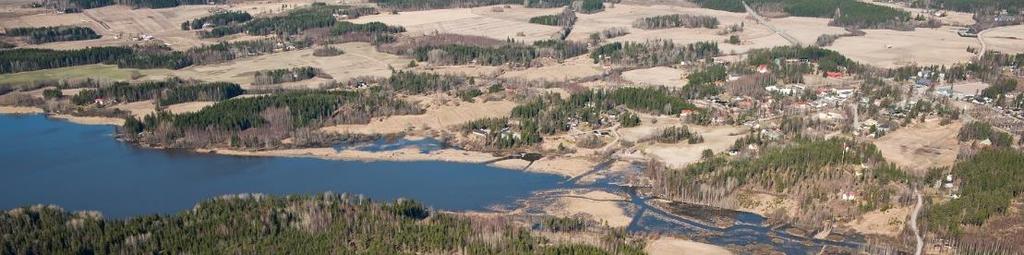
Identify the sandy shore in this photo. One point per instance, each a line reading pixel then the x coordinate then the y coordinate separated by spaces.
pixel 88 120
pixel 568 168
pixel 19 110
pixel 600 205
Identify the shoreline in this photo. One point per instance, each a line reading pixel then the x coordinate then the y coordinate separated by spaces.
pixel 565 167
pixel 82 120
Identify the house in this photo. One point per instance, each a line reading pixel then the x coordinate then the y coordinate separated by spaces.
pixel 834 75
pixel 848 196
pixel 762 68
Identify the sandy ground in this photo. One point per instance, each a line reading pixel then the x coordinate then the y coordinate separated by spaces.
pixel 887 223
pixel 1009 39
pixel 567 166
pixel 19 110
pixel 405 154
pixel 188 107
pixel 574 68
pixel 717 139
pixel 436 118
pixel 657 76
pixel 753 35
pixel 360 59
pixel 923 46
pixel 921 146
pixel 600 205
pixel 89 120
pixel 672 246
pixel 481 21
pixel 138 109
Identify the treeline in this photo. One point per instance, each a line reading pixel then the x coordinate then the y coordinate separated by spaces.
pixel 412 5
pixel 566 18
pixel 285 75
pixel 984 131
pixel 38 35
pixel 851 13
pixel 318 15
pixel 170 91
pixel 676 20
pixel 304 224
pixel 972 6
pixel 826 60
pixel 989 181
pixel 653 53
pixel 217 19
pixel 143 57
pixel 509 53
pixel 423 83
pixel 703 82
pixel 262 122
pixel 591 6
pixel 79 5
pixel 676 134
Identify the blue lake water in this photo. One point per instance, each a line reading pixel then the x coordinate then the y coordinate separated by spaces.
pixel 82 167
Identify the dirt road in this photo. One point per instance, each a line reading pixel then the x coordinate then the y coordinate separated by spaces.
pixel 762 21
pixel 913 224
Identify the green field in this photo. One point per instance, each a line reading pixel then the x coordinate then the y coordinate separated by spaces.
pixel 97 71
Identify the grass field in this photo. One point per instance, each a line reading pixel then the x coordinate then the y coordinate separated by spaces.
pixel 98 71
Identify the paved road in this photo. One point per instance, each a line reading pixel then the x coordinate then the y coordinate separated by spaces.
pixel 913 224
pixel 762 21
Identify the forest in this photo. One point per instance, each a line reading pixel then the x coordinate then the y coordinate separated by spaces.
pixel 654 53
pixel 169 91
pixel 984 131
pixel 37 35
pixel 591 6
pixel 676 20
pixel 852 13
pixel 971 6
pixel 217 20
pixel 825 59
pixel 300 224
pixel 295 21
pixel 424 83
pixel 79 5
pixel 990 180
pixel 283 75
pixel 212 91
pixel 454 54
pixel 20 60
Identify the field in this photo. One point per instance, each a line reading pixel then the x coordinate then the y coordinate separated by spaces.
pixel 1008 39
pixel 921 146
pixel 360 59
pixel 657 76
pixel 103 72
pixel 923 46
pixel 716 139
pixel 952 18
pixel 574 68
pixel 670 245
pixel 599 205
pixel 511 22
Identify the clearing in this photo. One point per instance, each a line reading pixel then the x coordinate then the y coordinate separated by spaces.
pixel 657 76
pixel 512 22
pixel 921 146
pixel 923 46
pixel 435 118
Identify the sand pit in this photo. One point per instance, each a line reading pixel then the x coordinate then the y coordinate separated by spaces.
pixel 436 118
pixel 717 139
pixel 1009 39
pixel 571 69
pixel 657 76
pixel 923 46
pixel 600 205
pixel 921 146
pixel 481 21
pixel 672 246
pixel 360 59
pixel 887 223
pixel 188 107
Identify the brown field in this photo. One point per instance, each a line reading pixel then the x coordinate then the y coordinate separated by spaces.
pixel 657 76
pixel 1009 39
pixel 717 139
pixel 887 223
pixel 921 146
pixel 480 21
pixel 188 107
pixel 923 46
pixel 570 69
pixel 360 59
pixel 671 246
pixel 952 18
pixel 138 109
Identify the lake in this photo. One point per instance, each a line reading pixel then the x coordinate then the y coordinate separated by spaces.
pixel 80 167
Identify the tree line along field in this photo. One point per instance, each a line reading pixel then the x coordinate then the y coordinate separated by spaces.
pixel 323 223
pixel 850 13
